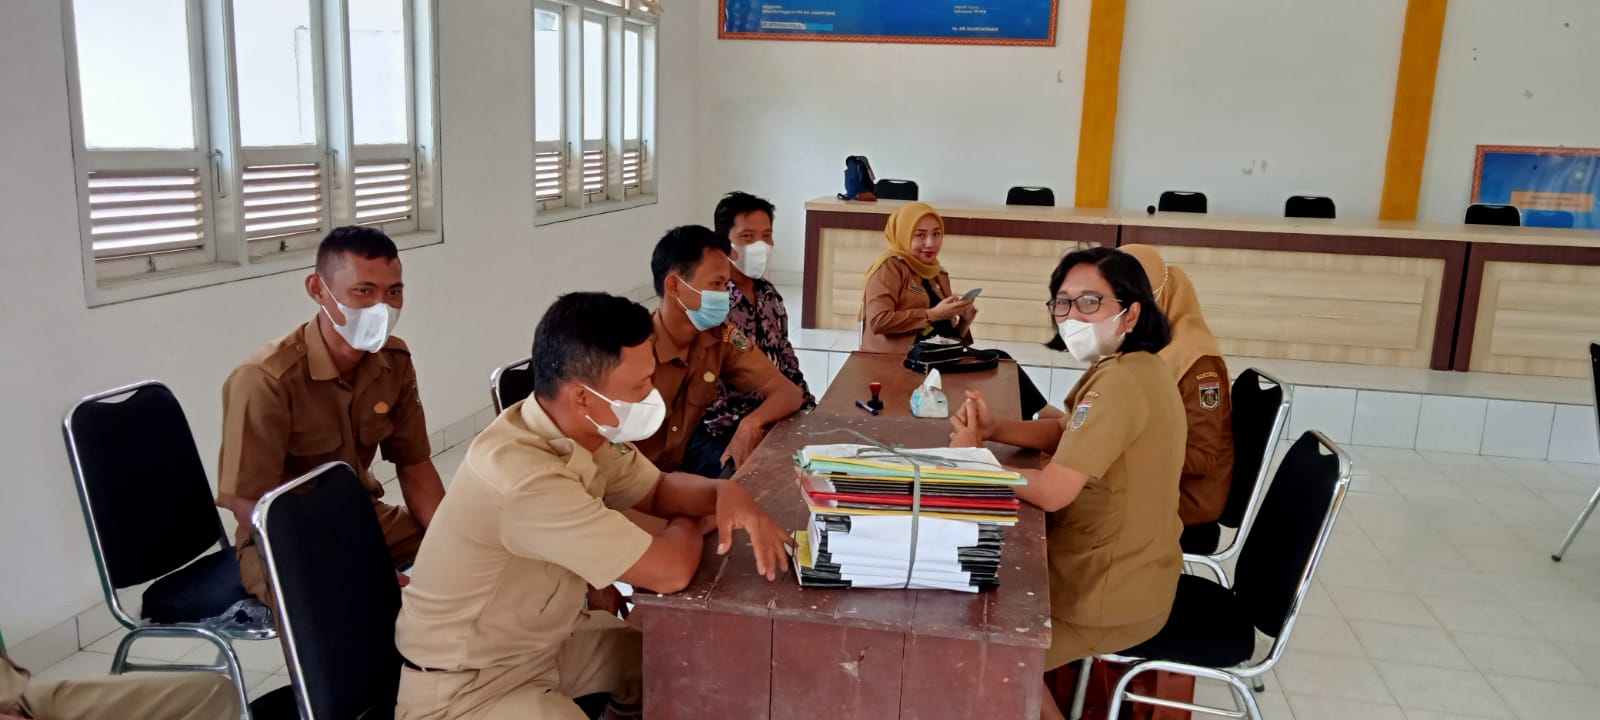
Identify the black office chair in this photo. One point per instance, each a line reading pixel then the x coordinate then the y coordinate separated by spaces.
pixel 1548 218
pixel 1480 214
pixel 1308 206
pixel 1211 632
pixel 1260 410
pixel 148 507
pixel 330 570
pixel 511 384
pixel 888 189
pixel 1594 366
pixel 1182 201
pixel 1023 195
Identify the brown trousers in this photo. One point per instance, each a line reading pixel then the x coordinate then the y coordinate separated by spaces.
pixel 401 533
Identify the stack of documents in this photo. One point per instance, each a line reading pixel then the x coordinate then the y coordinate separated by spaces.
pixel 861 528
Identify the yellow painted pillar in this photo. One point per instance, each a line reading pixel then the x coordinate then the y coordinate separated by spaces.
pixel 1413 109
pixel 1098 130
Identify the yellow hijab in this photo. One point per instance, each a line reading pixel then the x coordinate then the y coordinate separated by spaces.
pixel 902 224
pixel 1175 295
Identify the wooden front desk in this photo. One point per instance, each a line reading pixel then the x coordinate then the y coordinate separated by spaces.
pixel 1398 294
pixel 734 645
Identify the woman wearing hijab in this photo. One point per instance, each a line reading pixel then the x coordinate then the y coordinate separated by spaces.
pixel 907 295
pixel 1196 362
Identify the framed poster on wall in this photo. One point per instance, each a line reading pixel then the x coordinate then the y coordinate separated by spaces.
pixel 973 22
pixel 1552 186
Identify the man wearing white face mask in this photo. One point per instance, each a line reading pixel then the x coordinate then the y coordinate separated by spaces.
pixel 755 308
pixel 494 625
pixel 696 347
pixel 339 387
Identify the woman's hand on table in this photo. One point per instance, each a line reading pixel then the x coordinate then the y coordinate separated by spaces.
pixel 976 412
pixel 965 432
pixel 948 308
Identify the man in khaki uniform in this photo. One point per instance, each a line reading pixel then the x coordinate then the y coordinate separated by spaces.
pixel 694 346
pixel 337 388
pixel 493 624
pixel 165 696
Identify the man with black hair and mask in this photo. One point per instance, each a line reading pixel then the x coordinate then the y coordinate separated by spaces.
pixel 338 388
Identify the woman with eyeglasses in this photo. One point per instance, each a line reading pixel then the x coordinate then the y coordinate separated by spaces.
pixel 907 296
pixel 1195 359
pixel 1111 486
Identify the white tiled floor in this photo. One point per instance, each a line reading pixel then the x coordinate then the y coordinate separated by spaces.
pixel 1436 599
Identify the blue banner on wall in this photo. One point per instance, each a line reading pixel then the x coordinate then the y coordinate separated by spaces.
pixel 975 22
pixel 1552 186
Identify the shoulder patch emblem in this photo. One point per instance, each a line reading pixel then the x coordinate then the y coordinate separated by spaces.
pixel 1210 395
pixel 738 339
pixel 1080 415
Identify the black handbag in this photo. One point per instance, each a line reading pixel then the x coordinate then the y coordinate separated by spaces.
pixel 949 356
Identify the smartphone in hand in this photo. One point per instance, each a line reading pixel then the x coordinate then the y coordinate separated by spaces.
pixel 972 294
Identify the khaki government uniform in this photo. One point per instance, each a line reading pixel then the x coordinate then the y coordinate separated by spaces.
pixel 167 696
pixel 286 410
pixel 1208 459
pixel 1114 555
pixel 894 308
pixel 687 379
pixel 495 609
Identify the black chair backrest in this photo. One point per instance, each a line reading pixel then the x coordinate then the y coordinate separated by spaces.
pixel 1594 364
pixel 1255 415
pixel 1548 218
pixel 1022 195
pixel 1279 548
pixel 142 483
pixel 1480 214
pixel 889 189
pixel 1308 206
pixel 512 384
pixel 337 594
pixel 1182 201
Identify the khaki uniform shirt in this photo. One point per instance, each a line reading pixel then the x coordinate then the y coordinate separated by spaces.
pixel 530 519
pixel 285 411
pixel 1208 458
pixel 895 308
pixel 687 379
pixel 1114 554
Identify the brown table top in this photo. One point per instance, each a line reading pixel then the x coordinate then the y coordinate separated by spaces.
pixel 1017 613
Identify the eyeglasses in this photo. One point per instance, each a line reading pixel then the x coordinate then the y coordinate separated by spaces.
pixel 1087 303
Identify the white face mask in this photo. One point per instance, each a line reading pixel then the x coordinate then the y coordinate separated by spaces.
pixel 752 260
pixel 635 420
pixel 366 329
pixel 1083 338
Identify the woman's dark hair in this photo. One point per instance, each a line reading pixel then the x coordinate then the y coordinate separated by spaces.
pixel 1129 285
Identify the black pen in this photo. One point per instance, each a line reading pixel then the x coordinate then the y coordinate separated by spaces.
pixel 864 406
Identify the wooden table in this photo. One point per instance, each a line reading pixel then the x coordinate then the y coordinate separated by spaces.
pixel 733 645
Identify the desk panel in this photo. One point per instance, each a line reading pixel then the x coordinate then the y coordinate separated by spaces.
pixel 1530 311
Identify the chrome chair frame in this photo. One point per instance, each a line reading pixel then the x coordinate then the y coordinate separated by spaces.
pixel 1235 677
pixel 1583 517
pixel 220 634
pixel 1214 561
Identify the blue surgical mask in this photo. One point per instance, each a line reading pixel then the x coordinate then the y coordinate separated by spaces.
pixel 713 308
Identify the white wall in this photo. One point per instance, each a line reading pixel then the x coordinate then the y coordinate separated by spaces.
pixel 1509 74
pixel 965 122
pixel 1251 101
pixel 472 302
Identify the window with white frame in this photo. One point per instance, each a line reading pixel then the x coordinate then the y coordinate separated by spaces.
pixel 594 77
pixel 221 139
